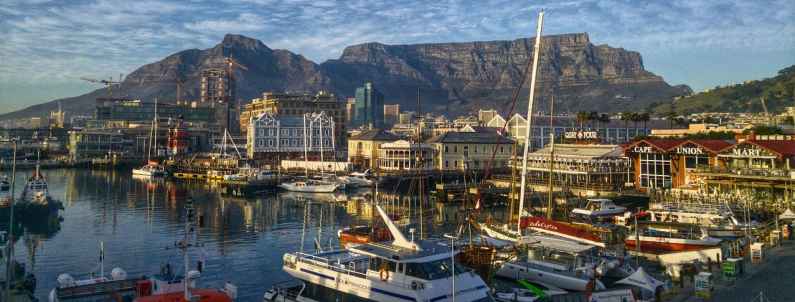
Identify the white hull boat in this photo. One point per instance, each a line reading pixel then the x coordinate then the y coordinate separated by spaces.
pixel 599 207
pixel 310 186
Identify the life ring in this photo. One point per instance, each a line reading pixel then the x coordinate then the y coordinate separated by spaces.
pixel 383 272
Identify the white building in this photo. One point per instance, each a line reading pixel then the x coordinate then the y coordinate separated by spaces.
pixel 270 134
pixel 405 156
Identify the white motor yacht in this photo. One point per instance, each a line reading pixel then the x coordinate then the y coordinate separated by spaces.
pixel 400 270
pixel 358 179
pixel 599 207
pixel 151 169
pixel 310 186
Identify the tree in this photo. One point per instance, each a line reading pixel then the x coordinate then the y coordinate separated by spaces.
pixel 626 117
pixel 644 117
pixel 582 117
pixel 593 116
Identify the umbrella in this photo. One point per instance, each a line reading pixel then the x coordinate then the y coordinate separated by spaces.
pixel 641 279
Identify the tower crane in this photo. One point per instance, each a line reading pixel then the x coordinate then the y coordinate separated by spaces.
pixel 108 83
pixel 767 114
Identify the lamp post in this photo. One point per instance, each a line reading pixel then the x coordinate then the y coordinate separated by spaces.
pixel 452 261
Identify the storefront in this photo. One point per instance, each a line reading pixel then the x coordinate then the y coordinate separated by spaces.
pixel 671 163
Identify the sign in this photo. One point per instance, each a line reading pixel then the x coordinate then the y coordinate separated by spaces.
pixel 642 149
pixel 689 150
pixel 581 135
pixel 749 152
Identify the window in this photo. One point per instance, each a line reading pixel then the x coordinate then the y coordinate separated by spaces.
pixel 655 170
pixel 438 269
pixel 455 149
pixel 446 164
pixel 446 149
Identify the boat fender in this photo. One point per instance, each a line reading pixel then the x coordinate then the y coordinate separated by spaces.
pixel 383 272
pixel 118 274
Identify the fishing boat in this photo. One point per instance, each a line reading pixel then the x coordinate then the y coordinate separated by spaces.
pixel 599 207
pixel 670 237
pixel 400 270
pixel 36 190
pixel 96 287
pixel 558 262
pixel 530 292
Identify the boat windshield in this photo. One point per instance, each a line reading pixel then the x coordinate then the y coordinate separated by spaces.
pixel 438 269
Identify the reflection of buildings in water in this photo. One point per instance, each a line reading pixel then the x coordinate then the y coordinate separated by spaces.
pixel 445 213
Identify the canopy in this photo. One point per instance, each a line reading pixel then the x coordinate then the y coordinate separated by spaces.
pixel 641 279
pixel 787 215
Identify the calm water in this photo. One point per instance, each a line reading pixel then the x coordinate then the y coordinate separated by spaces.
pixel 138 220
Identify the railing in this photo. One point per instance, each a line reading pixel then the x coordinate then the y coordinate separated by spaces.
pixel 328 264
pixel 745 171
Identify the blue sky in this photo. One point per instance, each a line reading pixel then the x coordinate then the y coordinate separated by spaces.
pixel 46 46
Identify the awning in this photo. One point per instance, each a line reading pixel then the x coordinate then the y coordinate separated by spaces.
pixel 787 215
pixel 641 279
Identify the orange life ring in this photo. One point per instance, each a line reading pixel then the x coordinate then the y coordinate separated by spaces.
pixel 383 273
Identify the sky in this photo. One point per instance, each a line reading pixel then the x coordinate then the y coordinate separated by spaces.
pixel 46 46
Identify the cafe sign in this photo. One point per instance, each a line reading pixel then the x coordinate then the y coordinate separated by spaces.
pixel 581 135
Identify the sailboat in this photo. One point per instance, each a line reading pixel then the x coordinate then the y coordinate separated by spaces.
pixel 308 185
pixel 152 168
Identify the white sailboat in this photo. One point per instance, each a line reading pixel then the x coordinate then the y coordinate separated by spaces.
pixel 152 168
pixel 400 270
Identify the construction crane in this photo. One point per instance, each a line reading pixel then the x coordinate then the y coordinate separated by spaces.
pixel 108 83
pixel 231 64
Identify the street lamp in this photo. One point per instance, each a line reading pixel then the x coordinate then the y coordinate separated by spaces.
pixel 452 260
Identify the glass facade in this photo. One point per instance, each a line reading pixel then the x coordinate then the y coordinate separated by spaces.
pixel 369 107
pixel 655 170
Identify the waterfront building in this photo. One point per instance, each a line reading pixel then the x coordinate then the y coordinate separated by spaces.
pixel 122 113
pixel 86 144
pixel 472 150
pixel 391 114
pixel 588 167
pixel 669 163
pixel 218 90
pixel 363 148
pixel 350 110
pixel 405 156
pixel 613 132
pixel 466 121
pixel 406 117
pixel 272 137
pixel 369 107
pixel 296 105
pixel 496 122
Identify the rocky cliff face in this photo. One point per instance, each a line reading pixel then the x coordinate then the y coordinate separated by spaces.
pixel 460 77
pixel 451 77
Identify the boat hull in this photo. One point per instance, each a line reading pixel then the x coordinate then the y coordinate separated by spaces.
pixel 516 271
pixel 310 189
pixel 662 244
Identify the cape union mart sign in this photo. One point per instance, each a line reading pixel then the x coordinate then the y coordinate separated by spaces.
pixel 679 150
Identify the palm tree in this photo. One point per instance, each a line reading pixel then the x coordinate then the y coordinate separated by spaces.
pixel 582 117
pixel 626 117
pixel 644 117
pixel 593 116
pixel 604 118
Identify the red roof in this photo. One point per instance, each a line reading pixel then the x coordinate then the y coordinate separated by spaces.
pixel 784 148
pixel 664 144
pixel 714 145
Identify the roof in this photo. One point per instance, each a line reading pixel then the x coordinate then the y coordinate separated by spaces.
pixel 784 148
pixel 668 144
pixel 582 151
pixel 470 138
pixel 375 135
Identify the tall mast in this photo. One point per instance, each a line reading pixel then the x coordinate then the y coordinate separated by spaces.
pixel 536 51
pixel 551 157
pixel 10 236
pixel 306 153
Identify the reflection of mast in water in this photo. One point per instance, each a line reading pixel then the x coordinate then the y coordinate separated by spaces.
pixel 32 242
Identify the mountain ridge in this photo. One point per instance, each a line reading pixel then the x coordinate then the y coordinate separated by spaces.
pixel 456 77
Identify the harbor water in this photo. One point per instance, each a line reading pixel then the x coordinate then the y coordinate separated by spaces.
pixel 242 239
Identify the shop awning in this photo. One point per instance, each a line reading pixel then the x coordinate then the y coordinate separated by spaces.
pixel 641 279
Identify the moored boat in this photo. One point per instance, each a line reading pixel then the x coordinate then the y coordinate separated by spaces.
pixel 310 186
pixel 599 207
pixel 400 270
pixel 151 169
pixel 669 237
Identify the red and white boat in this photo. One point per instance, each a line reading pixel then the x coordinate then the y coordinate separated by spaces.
pixel 562 229
pixel 349 236
pixel 670 238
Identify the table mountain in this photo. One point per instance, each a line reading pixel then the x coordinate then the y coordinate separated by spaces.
pixel 452 77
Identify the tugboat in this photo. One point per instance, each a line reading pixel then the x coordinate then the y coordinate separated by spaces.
pixel 35 200
pixel 401 270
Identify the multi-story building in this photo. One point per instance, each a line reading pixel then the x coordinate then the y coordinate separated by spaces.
pixel 218 90
pixel 369 107
pixel 271 137
pixel 120 113
pixel 613 132
pixel 95 143
pixel 350 110
pixel 405 156
pixel 296 105
pixel 363 147
pixel 472 150
pixel 391 114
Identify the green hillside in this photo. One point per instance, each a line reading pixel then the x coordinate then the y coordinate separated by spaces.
pixel 778 92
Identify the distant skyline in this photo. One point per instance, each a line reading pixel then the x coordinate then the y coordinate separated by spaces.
pixel 46 46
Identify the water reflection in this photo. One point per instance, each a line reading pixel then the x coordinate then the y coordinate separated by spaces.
pixel 243 238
